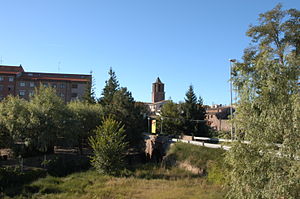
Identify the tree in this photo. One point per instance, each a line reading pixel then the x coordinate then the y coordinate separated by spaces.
pixel 83 120
pixel 109 147
pixel 119 104
pixel 89 93
pixel 13 120
pixel 111 86
pixel 172 120
pixel 193 114
pixel 268 112
pixel 46 119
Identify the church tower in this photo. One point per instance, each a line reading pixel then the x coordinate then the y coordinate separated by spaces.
pixel 158 91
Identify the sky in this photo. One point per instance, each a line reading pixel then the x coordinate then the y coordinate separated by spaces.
pixel 184 42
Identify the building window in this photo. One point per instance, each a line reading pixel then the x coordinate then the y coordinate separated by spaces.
pixel 22 84
pixel 74 86
pixel 62 95
pixel 22 93
pixel 62 86
pixel 10 79
pixel 31 84
pixel 1 78
pixel 53 85
pixel 74 95
pixel 1 87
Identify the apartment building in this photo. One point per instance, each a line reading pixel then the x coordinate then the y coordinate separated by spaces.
pixel 15 81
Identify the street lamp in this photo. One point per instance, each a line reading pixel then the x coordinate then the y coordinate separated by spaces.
pixel 232 61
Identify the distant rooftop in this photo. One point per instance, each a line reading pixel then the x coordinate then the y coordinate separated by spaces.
pixel 42 76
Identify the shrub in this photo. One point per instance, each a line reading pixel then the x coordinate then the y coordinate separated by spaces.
pixel 109 147
pixel 64 165
pixel 12 176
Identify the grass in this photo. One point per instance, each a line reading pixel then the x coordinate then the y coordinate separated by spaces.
pixel 90 184
pixel 211 161
pixel 148 181
pixel 197 155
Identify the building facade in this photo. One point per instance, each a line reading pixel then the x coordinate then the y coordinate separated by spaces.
pixel 16 82
pixel 217 117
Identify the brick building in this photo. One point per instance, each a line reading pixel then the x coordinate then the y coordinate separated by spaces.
pixel 15 81
pixel 217 117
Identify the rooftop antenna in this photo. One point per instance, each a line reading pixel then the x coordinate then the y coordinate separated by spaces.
pixel 1 60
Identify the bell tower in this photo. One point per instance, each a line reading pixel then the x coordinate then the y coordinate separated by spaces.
pixel 158 91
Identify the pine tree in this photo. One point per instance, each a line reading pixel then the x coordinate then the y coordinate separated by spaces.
pixel 192 112
pixel 89 93
pixel 119 104
pixel 111 86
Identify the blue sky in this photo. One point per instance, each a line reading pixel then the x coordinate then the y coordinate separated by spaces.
pixel 182 41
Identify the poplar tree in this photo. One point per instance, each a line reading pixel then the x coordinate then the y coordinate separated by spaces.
pixel 268 111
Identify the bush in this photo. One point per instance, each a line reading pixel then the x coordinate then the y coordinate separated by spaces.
pixel 109 147
pixel 12 176
pixel 64 165
pixel 211 161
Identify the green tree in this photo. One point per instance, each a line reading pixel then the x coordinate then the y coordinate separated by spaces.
pixel 13 120
pixel 46 120
pixel 83 120
pixel 193 114
pixel 172 120
pixel 268 112
pixel 119 104
pixel 110 88
pixel 109 147
pixel 89 93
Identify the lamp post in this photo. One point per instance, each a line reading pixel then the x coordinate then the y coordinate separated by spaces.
pixel 231 62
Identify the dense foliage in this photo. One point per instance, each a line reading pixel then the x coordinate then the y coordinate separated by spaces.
pixel 268 111
pixel 44 121
pixel 118 103
pixel 184 118
pixel 109 147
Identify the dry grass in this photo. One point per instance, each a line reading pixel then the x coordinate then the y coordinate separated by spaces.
pixel 89 185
